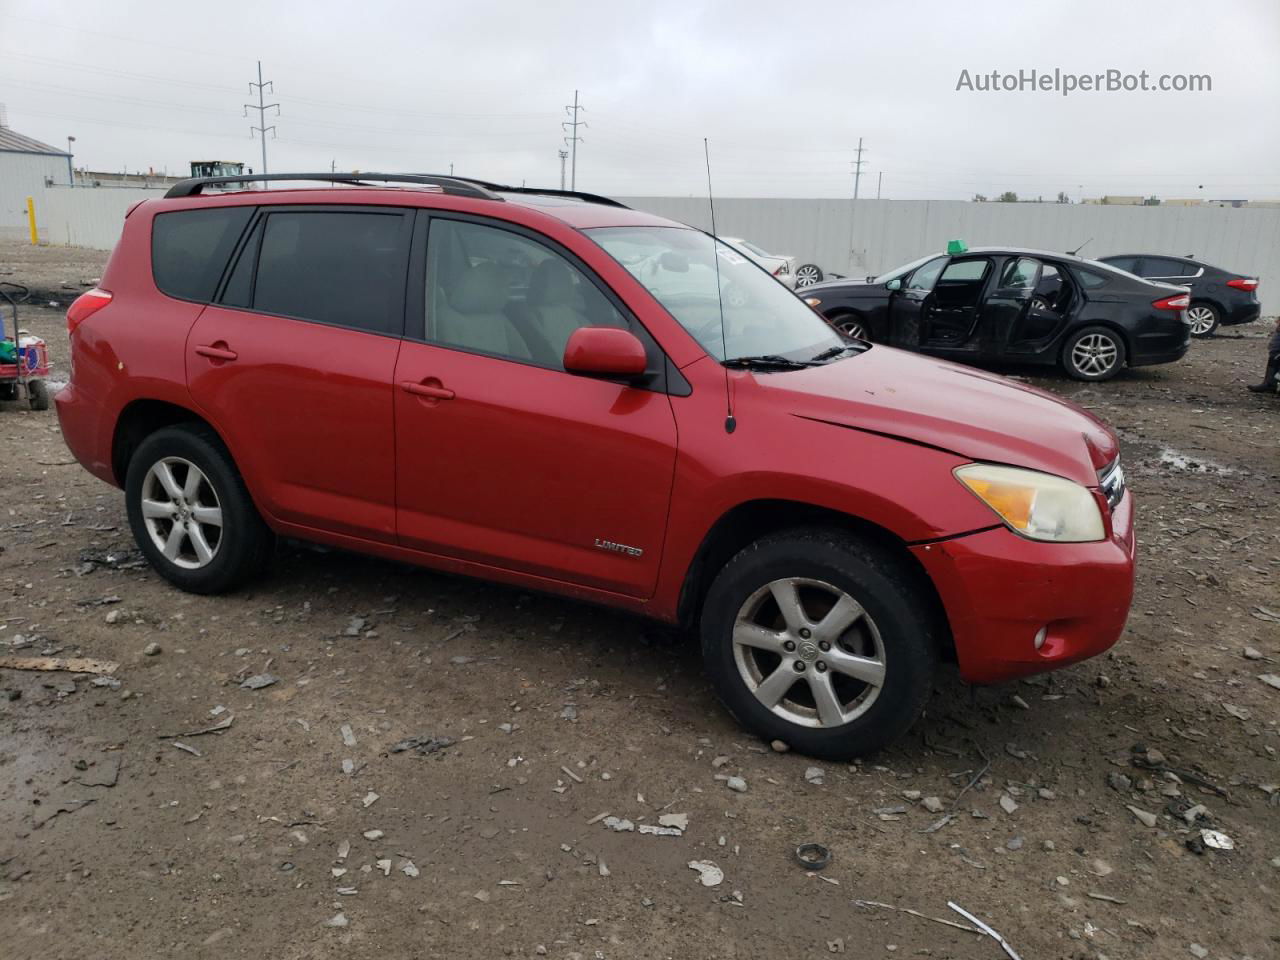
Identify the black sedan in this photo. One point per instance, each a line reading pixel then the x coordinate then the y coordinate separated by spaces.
pixel 1217 296
pixel 993 304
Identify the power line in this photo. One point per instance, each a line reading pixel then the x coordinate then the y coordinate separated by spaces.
pixel 573 139
pixel 262 109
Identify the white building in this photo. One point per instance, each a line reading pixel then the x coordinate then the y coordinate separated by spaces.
pixel 25 166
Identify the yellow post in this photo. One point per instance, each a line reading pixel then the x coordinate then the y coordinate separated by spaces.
pixel 31 221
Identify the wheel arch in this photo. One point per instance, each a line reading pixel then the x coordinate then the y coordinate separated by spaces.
pixel 752 520
pixel 141 418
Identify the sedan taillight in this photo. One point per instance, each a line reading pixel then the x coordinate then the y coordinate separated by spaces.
pixel 1248 284
pixel 85 306
pixel 1177 302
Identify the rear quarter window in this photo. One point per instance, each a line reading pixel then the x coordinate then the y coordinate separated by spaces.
pixel 1089 279
pixel 190 248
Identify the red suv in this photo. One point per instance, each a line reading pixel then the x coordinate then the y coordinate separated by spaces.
pixel 555 391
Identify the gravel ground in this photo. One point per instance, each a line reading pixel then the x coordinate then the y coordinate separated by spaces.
pixel 1065 811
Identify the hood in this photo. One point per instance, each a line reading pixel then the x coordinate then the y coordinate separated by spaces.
pixel 964 411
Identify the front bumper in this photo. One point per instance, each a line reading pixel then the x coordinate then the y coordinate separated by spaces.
pixel 999 590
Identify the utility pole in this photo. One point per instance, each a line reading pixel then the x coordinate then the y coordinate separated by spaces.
pixel 879 182
pixel 857 169
pixel 451 169
pixel 573 139
pixel 564 155
pixel 262 109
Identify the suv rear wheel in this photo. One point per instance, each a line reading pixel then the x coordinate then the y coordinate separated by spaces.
pixel 817 639
pixel 190 512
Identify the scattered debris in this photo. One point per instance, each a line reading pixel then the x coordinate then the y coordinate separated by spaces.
pixel 59 664
pixel 1270 679
pixel 736 784
pixel 424 745
pixel 813 856
pixel 934 804
pixel 915 913
pixel 1148 819
pixel 349 737
pixel 1106 898
pixel 370 799
pixel 1217 840
pixel 657 831
pixel 985 929
pixel 619 825
pixel 258 681
pixel 571 775
pixel 337 920
pixel 186 748
pixel 152 649
pixel 779 746
pixel 1007 803
pixel 708 873
pixel 678 820
pixel 373 834
pixel 815 775
pixel 218 727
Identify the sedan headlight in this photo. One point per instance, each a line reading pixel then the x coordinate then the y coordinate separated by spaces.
pixel 1036 505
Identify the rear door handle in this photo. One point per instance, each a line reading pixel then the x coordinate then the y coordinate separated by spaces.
pixel 215 352
pixel 431 389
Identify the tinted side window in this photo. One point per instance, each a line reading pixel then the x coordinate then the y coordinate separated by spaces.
pixel 493 291
pixel 1122 263
pixel 1089 279
pixel 339 267
pixel 926 276
pixel 189 249
pixel 1164 267
pixel 965 271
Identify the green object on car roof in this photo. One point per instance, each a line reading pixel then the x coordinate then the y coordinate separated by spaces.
pixel 955 247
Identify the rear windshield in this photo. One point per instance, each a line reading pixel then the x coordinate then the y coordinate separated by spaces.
pixel 189 249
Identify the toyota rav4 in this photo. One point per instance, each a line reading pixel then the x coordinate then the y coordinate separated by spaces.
pixel 552 390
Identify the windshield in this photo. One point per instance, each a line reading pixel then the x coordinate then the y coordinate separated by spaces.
pixel 761 316
pixel 902 270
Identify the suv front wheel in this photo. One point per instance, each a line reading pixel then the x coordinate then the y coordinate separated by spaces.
pixel 819 640
pixel 190 512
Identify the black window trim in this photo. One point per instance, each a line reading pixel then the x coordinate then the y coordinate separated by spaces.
pixel 226 267
pixel 257 223
pixel 658 378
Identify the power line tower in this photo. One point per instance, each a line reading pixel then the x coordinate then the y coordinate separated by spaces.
pixel 564 155
pixel 573 139
pixel 262 109
pixel 857 169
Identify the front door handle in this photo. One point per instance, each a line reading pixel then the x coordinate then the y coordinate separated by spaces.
pixel 216 351
pixel 431 389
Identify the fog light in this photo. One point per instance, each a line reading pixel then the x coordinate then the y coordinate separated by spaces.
pixel 1040 637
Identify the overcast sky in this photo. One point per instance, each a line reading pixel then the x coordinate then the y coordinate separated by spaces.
pixel 783 90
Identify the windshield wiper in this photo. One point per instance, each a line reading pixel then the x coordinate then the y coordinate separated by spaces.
pixel 766 360
pixel 832 353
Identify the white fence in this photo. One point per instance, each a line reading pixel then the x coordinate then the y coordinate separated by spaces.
pixel 856 241
pixel 881 234
pixel 86 216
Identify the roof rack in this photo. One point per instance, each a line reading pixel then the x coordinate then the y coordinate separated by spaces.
pixel 456 186
pixel 545 192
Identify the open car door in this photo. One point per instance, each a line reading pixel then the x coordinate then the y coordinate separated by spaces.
pixel 911 301
pixel 1006 305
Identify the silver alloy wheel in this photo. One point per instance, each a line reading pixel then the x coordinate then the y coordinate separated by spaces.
pixel 1095 354
pixel 808 275
pixel 1202 320
pixel 809 652
pixel 181 511
pixel 853 328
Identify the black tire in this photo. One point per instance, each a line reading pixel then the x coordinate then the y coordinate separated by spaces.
pixel 1204 319
pixel 245 543
pixel 852 325
pixel 1081 365
pixel 896 607
pixel 38 394
pixel 807 274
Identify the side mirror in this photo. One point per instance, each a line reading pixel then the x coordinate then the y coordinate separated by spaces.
pixel 604 352
pixel 894 284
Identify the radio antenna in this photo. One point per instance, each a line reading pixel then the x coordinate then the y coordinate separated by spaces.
pixel 1076 251
pixel 730 424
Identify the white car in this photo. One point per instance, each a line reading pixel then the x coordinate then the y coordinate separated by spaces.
pixel 782 267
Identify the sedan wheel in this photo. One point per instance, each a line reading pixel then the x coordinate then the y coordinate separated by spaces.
pixel 1095 353
pixel 851 327
pixel 182 513
pixel 809 652
pixel 808 274
pixel 1203 319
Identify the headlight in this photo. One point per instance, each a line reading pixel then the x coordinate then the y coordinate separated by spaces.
pixel 1036 505
pixel 812 301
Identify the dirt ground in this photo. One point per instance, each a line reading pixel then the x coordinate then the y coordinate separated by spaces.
pixel 295 831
